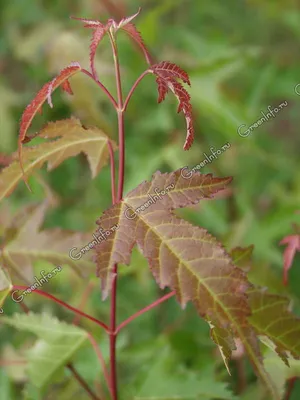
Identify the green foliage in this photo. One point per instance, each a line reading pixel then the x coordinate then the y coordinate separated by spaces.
pixel 240 60
pixel 57 344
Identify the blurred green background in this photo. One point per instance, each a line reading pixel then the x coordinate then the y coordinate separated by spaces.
pixel 242 56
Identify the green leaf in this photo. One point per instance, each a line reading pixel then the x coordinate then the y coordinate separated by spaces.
pixel 280 371
pixel 163 383
pixel 271 317
pixel 58 343
pixel 30 243
pixel 68 139
pixel 242 257
pixel 5 287
pixel 270 314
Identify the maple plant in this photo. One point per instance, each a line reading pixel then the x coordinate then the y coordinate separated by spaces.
pixel 181 256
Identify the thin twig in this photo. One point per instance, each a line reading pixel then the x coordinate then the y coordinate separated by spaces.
pixel 105 90
pixel 291 384
pixel 149 307
pixel 133 89
pixel 24 307
pixel 62 303
pixel 82 382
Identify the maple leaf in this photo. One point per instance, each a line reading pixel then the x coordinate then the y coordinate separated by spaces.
pixel 270 315
pixel 100 31
pixel 293 245
pixel 69 138
pixel 36 104
pixel 58 343
pixel 184 257
pixel 29 243
pixel 167 78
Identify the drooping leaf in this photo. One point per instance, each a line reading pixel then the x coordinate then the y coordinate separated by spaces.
pixel 162 89
pixel 184 257
pixel 68 138
pixel 30 243
pixel 97 36
pixel 58 343
pixel 167 78
pixel 43 95
pixel 293 245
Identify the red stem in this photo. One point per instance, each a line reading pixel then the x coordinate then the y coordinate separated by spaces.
pixel 291 384
pixel 113 336
pixel 113 305
pixel 121 155
pixel 82 382
pixel 144 310
pixel 62 303
pixel 133 89
pixel 105 90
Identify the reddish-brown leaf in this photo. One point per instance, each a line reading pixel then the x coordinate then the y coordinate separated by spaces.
pixel 66 87
pixel 89 23
pixel 184 257
pixel 162 89
pixel 97 36
pixel 36 104
pixel 293 245
pixel 167 69
pixel 186 192
pixel 126 20
pixel 111 25
pixel 167 75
